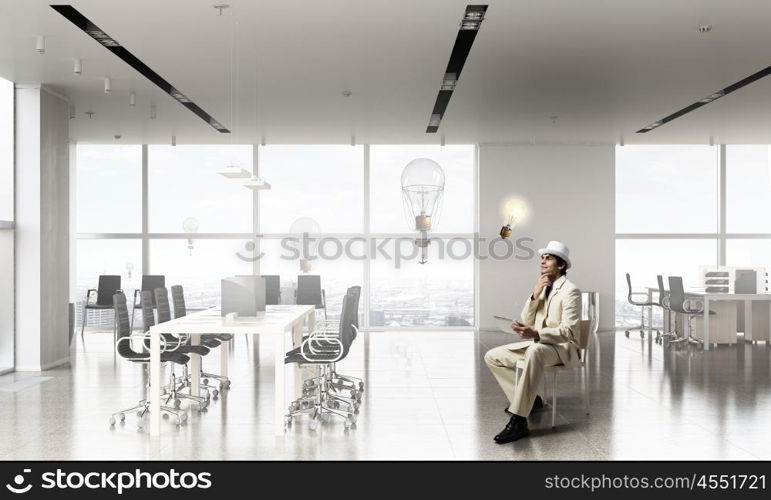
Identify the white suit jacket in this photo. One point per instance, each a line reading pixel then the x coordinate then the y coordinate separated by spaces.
pixel 557 318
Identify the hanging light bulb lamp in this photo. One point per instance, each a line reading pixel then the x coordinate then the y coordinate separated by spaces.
pixel 305 230
pixel 513 211
pixel 190 226
pixel 422 190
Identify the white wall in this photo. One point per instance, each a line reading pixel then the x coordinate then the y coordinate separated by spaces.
pixel 570 190
pixel 42 228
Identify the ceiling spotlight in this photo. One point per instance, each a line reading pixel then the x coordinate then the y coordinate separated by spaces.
pixel 117 137
pixel 90 114
pixel 72 112
pixel 40 45
pixel 449 81
pixel 262 141
pixel 132 99
pixel 353 140
pixel 78 67
pixel 173 140
pixel 221 6
pixel 441 142
pixel 712 140
pixel 621 141
pixel 153 115
pixel 107 85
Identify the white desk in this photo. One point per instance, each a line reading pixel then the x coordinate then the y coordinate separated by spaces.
pixel 282 322
pixel 748 299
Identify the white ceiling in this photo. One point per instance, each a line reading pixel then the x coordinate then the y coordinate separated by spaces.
pixel 605 68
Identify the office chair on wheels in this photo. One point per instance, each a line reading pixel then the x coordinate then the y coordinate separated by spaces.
pixel 641 305
pixel 209 340
pixel 679 303
pixel 125 350
pixel 174 344
pixel 322 349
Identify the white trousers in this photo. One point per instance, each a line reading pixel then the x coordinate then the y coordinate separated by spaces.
pixel 502 362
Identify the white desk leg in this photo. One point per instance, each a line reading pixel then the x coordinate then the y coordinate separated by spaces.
pixel 195 368
pixel 224 351
pixel 279 396
pixel 155 385
pixel 748 320
pixel 706 323
pixel 297 373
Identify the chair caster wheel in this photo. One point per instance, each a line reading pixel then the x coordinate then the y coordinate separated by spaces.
pixel 356 411
pixel 206 381
pixel 626 333
pixel 112 421
pixel 165 415
pixel 215 393
pixel 361 386
pixel 139 413
pixel 183 417
pixel 288 421
pixel 177 403
pixel 352 418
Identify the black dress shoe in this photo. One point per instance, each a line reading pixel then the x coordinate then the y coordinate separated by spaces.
pixel 537 405
pixel 515 429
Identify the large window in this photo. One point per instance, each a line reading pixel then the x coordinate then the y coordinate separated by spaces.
pixel 6 226
pixel 748 189
pixel 109 192
pixel 201 228
pixel 667 217
pixel 184 184
pixel 666 189
pixel 671 218
pixel 325 183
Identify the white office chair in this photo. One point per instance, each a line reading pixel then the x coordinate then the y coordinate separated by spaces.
pixel 583 350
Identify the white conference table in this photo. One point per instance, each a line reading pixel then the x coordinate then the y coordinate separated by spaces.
pixel 747 298
pixel 283 322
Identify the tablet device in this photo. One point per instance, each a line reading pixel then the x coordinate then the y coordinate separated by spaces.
pixel 504 324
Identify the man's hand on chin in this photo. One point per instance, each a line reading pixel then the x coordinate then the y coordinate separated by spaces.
pixel 526 332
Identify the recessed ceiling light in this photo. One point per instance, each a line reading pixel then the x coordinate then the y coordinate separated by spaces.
pixel 705 28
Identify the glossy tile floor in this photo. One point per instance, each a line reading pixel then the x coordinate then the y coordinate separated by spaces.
pixel 429 396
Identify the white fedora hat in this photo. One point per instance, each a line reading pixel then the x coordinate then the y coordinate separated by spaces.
pixel 559 249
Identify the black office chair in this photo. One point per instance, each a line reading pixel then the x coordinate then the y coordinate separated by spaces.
pixel 641 305
pixel 323 351
pixel 209 340
pixel 109 285
pixel 679 303
pixel 309 292
pixel 272 289
pixel 125 350
pixel 663 302
pixel 173 344
pixel 149 283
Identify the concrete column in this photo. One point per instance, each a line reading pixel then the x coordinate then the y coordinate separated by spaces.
pixel 42 228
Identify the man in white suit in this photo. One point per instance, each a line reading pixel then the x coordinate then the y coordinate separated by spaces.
pixel 550 323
